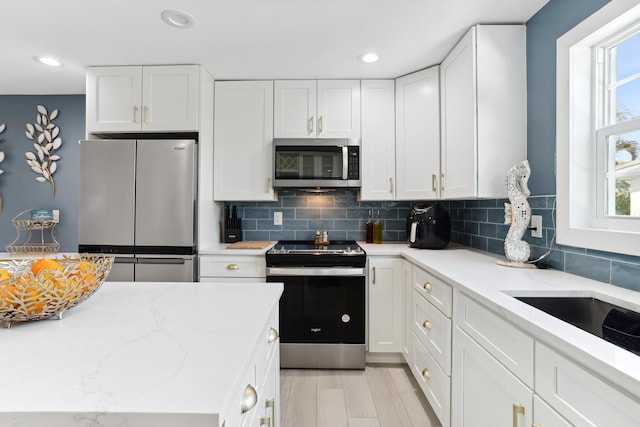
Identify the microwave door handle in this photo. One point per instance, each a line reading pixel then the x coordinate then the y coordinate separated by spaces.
pixel 345 162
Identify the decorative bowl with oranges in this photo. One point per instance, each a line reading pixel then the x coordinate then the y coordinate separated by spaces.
pixel 37 288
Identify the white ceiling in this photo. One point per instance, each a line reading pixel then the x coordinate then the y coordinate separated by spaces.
pixel 237 39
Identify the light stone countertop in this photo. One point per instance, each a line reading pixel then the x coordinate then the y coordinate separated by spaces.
pixel 221 249
pixel 157 354
pixel 477 275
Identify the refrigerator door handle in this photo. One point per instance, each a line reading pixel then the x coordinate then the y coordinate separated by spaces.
pixel 124 260
pixel 161 260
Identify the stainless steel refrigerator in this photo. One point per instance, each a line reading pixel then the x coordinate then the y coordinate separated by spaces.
pixel 138 202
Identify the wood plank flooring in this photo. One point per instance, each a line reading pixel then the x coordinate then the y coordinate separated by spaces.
pixel 381 395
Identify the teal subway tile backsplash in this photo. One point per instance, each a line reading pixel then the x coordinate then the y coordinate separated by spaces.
pixel 477 224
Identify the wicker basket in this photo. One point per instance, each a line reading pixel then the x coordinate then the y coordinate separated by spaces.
pixel 37 288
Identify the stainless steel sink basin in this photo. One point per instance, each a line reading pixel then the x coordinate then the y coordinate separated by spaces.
pixel 589 314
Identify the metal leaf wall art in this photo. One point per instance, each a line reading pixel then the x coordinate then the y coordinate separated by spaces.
pixel 2 128
pixel 46 139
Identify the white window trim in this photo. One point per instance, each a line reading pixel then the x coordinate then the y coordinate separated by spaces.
pixel 577 213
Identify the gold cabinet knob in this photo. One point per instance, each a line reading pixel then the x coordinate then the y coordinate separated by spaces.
pixel 273 335
pixel 427 287
pixel 426 324
pixel 249 398
pixel 426 373
pixel 232 267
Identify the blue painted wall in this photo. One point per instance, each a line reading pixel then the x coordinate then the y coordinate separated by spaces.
pixel 18 187
pixel 552 21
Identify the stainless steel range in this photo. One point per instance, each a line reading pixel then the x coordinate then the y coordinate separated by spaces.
pixel 322 309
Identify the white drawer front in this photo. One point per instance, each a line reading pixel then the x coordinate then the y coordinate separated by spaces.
pixel 579 396
pixel 233 266
pixel 435 384
pixel 544 415
pixel 512 347
pixel 433 289
pixel 433 329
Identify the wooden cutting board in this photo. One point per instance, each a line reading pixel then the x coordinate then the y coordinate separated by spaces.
pixel 248 245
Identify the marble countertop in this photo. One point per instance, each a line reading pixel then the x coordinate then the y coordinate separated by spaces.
pixel 477 275
pixel 161 354
pixel 221 249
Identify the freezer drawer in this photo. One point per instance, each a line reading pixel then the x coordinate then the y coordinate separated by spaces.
pixel 178 269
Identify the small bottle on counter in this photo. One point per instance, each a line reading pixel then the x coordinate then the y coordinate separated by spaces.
pixel 325 237
pixel 369 227
pixel 318 239
pixel 377 229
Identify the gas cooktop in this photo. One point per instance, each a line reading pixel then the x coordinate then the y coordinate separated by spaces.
pixel 302 253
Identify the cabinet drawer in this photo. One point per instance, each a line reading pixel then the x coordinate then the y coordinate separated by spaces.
pixel 579 396
pixel 544 415
pixel 433 329
pixel 234 415
pixel 233 266
pixel 433 289
pixel 435 384
pixel 512 347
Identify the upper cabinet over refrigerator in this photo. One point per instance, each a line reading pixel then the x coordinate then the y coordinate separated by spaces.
pixel 142 99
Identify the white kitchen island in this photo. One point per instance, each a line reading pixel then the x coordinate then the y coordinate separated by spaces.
pixel 145 354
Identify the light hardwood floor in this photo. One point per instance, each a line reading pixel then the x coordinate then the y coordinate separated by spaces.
pixel 381 395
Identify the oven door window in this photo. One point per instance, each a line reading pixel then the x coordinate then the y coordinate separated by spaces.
pixel 322 309
pixel 308 162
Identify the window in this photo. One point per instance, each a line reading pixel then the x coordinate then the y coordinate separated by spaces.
pixel 598 131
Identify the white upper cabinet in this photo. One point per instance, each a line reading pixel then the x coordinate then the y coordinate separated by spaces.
pixel 484 109
pixel 418 135
pixel 377 148
pixel 317 109
pixel 142 99
pixel 242 141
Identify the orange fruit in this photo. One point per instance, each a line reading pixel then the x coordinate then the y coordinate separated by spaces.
pixel 45 264
pixel 4 275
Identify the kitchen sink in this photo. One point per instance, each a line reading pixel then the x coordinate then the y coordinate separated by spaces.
pixel 589 314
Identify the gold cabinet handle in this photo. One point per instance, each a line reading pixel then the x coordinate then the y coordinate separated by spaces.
pixel 517 410
pixel 273 335
pixel 441 182
pixel 249 398
pixel 271 403
pixel 427 287
pixel 426 324
pixel 374 276
pixel 232 267
pixel 310 125
pixel 135 114
pixel 265 421
pixel 426 374
pixel 267 188
pixel 319 125
pixel 391 185
pixel 434 182
pixel 145 114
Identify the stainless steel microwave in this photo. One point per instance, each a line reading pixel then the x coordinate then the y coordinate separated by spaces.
pixel 316 163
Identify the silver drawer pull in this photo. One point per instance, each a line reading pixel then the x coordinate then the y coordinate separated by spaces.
pixel 426 374
pixel 427 287
pixel 232 267
pixel 249 398
pixel 426 324
pixel 273 335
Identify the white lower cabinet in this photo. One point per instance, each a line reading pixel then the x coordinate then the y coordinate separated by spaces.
pixel 434 382
pixel 483 392
pixel 407 282
pixel 545 416
pixel 578 395
pixel 232 268
pixel 386 304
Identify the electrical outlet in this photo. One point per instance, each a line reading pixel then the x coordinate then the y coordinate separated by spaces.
pixel 277 218
pixel 536 226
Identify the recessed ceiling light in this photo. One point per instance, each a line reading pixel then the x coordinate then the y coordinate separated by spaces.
pixel 47 60
pixel 368 57
pixel 178 18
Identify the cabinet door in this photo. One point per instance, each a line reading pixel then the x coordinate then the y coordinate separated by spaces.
pixel 483 392
pixel 170 98
pixel 407 281
pixel 418 135
pixel 243 129
pixel 459 120
pixel 294 114
pixel 580 396
pixel 338 109
pixel 377 147
pixel 113 99
pixel 386 303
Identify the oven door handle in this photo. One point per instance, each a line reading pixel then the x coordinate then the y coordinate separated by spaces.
pixel 312 271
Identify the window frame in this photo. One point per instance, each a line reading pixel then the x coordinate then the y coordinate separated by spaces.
pixel 580 210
